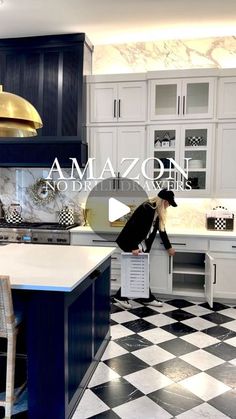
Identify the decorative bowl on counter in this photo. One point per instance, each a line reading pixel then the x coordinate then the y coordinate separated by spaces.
pixel 195 141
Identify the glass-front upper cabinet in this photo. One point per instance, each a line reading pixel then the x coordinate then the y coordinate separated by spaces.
pixel 180 158
pixel 182 98
pixel 195 157
pixel 163 156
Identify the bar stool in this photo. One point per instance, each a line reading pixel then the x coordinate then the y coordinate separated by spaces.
pixel 8 330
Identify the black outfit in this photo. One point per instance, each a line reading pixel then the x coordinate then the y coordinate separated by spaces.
pixel 137 230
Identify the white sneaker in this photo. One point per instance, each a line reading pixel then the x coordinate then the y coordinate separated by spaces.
pixel 123 303
pixel 154 303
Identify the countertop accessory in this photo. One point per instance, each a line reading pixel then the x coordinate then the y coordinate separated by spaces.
pixel 66 216
pixel 220 219
pixel 13 214
pixel 195 141
pixel 41 192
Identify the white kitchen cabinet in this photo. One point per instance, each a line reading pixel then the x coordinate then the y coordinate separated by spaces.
pixel 93 239
pixel 191 98
pixel 193 274
pixel 225 168
pixel 225 284
pixel 160 270
pixel 117 143
pixel 118 102
pixel 226 103
pixel 224 252
pixel 179 142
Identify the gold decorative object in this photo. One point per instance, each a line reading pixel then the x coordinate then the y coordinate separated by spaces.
pixel 123 220
pixel 18 118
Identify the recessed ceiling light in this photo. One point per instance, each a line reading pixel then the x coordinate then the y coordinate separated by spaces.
pixel 1 2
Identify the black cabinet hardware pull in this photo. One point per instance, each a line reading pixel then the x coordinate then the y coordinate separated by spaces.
pixel 169 264
pixel 179 244
pixel 233 247
pixel 115 108
pixel 119 108
pixel 214 273
pixel 178 103
pixel 118 181
pixel 183 105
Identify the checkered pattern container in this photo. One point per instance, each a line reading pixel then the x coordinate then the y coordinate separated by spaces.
pixel 13 217
pixel 220 219
pixel 66 216
pixel 135 275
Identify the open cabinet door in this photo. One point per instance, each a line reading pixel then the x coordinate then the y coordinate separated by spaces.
pixel 209 278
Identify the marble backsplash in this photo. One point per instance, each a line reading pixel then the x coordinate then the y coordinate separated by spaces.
pixel 14 188
pixel 14 184
pixel 138 57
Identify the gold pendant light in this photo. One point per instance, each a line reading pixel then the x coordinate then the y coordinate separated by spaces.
pixel 18 118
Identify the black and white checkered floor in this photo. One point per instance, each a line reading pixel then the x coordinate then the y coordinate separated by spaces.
pixel 175 361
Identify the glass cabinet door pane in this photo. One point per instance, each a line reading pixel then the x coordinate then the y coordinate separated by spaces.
pixel 195 150
pixel 165 143
pixel 197 180
pixel 197 98
pixel 166 99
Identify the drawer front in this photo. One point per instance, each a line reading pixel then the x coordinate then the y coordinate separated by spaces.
pixel 92 240
pixel 223 245
pixel 184 244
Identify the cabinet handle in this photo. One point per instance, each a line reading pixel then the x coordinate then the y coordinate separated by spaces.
pixel 183 105
pixel 169 264
pixel 214 264
pixel 114 258
pixel 114 108
pixel 233 247
pixel 119 108
pixel 178 104
pixel 103 241
pixel 114 184
pixel 179 244
pixel 118 181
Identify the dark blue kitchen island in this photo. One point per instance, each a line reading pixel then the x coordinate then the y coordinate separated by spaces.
pixel 67 312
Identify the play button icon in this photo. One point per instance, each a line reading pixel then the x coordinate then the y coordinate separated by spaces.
pixel 110 204
pixel 117 209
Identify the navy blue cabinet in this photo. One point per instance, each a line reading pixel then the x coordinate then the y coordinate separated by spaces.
pixel 49 72
pixel 67 333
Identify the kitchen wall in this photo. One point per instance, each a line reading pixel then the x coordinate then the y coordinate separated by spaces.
pixel 15 184
pixel 127 58
pixel 165 55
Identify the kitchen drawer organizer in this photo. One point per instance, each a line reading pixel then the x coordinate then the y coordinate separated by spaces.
pixel 135 275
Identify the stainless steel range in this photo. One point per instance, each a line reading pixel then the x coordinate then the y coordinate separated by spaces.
pixel 42 233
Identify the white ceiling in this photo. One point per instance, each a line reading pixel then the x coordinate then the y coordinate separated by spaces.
pixel 119 21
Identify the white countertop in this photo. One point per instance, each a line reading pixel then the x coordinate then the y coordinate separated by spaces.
pixel 177 232
pixel 50 267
